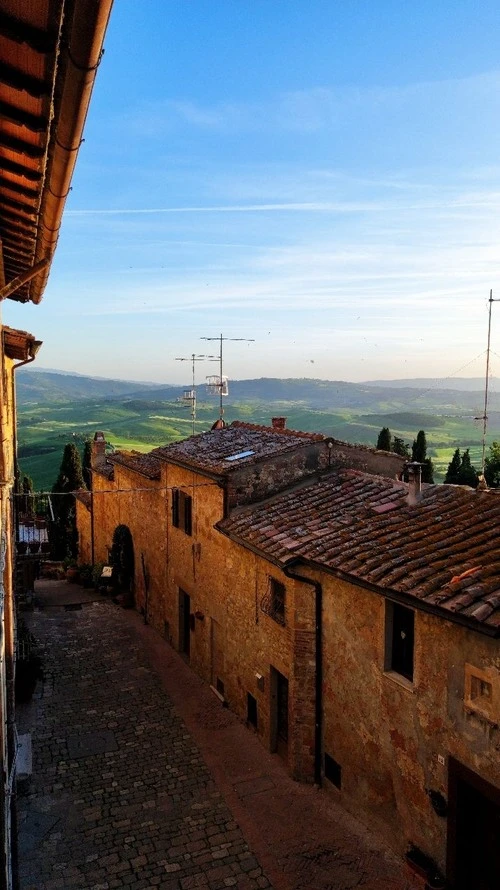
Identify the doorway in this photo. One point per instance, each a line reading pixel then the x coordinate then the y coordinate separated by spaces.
pixel 279 714
pixel 473 830
pixel 184 623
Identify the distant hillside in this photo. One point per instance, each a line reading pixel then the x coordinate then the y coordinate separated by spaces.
pixel 463 384
pixel 39 387
pixel 49 387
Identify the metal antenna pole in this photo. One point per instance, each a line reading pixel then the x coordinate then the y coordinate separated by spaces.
pixel 221 339
pixel 485 414
pixel 192 398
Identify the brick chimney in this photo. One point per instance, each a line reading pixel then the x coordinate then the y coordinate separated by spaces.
pixel 414 470
pixel 98 458
pixel 279 423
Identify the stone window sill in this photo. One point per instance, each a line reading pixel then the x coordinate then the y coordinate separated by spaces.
pixel 399 680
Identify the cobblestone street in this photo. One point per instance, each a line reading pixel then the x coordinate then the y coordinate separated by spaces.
pixel 141 779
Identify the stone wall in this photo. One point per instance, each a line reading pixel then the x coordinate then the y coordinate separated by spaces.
pixel 386 733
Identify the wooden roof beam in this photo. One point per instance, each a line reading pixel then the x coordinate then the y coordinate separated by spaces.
pixel 20 32
pixel 37 123
pixel 12 186
pixel 21 147
pixel 24 278
pixel 35 87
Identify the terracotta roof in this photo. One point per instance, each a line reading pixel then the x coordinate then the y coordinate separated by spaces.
pixel 222 451
pixel 19 345
pixel 444 552
pixel 145 464
pixel 49 54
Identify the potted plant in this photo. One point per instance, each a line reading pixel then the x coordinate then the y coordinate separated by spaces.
pixel 34 546
pixel 22 547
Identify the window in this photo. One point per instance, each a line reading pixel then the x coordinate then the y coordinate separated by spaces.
pixel 400 635
pixel 333 771
pixel 482 693
pixel 182 507
pixel 251 710
pixel 278 594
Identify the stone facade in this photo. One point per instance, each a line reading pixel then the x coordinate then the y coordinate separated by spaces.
pixel 304 660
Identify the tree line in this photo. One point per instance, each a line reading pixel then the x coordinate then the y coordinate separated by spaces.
pixel 387 442
pixel 460 470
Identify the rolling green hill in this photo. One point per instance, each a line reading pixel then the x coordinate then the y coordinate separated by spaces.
pixel 55 408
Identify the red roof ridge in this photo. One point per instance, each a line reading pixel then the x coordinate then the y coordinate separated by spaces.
pixel 262 428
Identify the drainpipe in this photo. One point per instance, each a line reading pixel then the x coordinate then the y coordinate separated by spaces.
pixel 318 703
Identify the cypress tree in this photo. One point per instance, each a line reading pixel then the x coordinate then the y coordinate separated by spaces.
pixel 419 453
pixel 384 439
pixel 467 474
pixel 63 533
pixel 492 466
pixel 400 447
pixel 87 464
pixel 453 470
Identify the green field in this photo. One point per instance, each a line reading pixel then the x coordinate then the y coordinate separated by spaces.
pixel 136 424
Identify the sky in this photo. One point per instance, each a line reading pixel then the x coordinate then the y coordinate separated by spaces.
pixel 320 177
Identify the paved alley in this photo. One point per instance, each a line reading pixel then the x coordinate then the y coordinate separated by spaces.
pixel 142 780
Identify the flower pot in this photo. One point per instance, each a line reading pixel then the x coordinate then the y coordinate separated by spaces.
pixel 71 573
pixel 45 547
pixel 34 546
pixel 22 546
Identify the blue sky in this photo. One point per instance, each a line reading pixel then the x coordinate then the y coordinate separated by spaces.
pixel 322 177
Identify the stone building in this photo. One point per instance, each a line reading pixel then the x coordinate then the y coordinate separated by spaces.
pixel 45 91
pixel 352 620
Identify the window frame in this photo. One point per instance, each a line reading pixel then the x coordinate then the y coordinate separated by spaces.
pixel 277 591
pixel 400 642
pixel 182 511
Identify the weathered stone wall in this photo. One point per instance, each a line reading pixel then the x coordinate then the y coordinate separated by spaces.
pixel 387 734
pixel 84 526
pixel 359 457
pixel 256 481
pixel 231 638
pixel 133 500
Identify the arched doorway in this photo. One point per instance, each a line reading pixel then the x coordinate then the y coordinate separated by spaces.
pixel 122 561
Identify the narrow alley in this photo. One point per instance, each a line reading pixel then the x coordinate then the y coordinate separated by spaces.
pixel 141 779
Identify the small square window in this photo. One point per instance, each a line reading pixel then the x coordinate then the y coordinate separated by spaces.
pixel 481 693
pixel 399 640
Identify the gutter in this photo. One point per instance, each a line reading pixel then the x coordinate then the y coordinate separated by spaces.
pixel 411 602
pixel 318 659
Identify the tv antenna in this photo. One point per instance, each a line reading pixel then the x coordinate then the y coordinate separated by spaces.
pixel 220 384
pixel 484 417
pixel 189 395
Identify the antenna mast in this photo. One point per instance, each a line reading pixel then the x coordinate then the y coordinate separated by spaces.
pixel 220 385
pixel 190 395
pixel 485 414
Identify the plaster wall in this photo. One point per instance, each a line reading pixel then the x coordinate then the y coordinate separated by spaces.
pixel 387 733
pixel 84 526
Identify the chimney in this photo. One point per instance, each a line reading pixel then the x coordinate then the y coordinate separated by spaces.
pixel 98 458
pixel 414 470
pixel 279 423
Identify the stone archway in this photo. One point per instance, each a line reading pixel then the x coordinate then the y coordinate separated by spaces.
pixel 123 563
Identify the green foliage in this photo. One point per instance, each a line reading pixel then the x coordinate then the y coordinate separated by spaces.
pixel 492 466
pixel 63 533
pixel 400 447
pixel 384 439
pixel 419 454
pixel 461 471
pixel 87 464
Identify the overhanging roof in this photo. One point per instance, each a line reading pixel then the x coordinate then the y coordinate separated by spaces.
pixel 49 55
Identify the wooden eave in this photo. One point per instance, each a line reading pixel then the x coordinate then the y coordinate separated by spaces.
pixel 49 55
pixel 18 345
